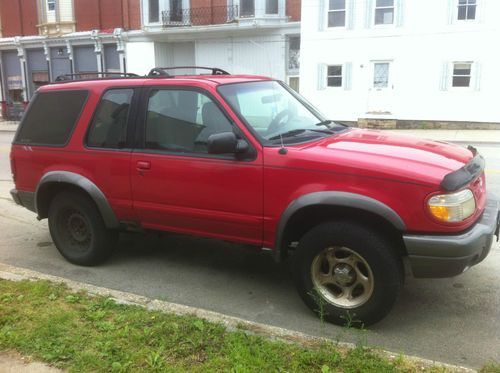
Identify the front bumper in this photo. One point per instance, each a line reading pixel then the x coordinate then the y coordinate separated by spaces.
pixel 448 256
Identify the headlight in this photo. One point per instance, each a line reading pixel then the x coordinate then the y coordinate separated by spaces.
pixel 453 207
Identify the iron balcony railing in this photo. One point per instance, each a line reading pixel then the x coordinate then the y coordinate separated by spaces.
pixel 199 16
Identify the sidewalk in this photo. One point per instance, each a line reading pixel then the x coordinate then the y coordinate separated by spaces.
pixel 457 136
pixel 8 126
pixel 15 363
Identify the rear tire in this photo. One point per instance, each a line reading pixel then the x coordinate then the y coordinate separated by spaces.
pixel 78 230
pixel 347 273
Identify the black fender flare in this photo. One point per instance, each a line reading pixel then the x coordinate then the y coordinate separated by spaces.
pixel 334 198
pixel 67 177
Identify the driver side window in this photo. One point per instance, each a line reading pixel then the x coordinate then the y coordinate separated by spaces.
pixel 182 120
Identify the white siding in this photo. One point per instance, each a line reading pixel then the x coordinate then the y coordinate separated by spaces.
pixel 260 55
pixel 140 57
pixel 418 50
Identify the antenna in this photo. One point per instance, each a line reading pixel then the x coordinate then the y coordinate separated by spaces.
pixel 282 150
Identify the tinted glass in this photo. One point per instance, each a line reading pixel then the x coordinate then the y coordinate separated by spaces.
pixel 336 19
pixel 271 6
pixel 381 3
pixel 182 121
pixel 337 4
pixel 109 127
pixel 154 11
pixel 51 118
pixel 335 70
pixel 384 16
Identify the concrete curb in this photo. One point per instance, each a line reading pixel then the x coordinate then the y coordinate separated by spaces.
pixel 12 273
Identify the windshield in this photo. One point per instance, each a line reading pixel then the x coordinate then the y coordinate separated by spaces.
pixel 274 113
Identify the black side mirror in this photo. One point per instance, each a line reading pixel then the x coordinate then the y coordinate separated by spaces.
pixel 226 143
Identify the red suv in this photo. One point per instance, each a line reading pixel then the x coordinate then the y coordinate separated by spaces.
pixel 246 159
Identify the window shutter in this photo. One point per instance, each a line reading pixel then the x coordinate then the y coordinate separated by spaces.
pixel 369 14
pixel 348 76
pixel 321 76
pixel 400 9
pixel 477 76
pixel 451 11
pixel 445 78
pixel 322 15
pixel 351 11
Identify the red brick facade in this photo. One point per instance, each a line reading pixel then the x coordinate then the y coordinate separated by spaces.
pixel 293 9
pixel 19 18
pixel 107 14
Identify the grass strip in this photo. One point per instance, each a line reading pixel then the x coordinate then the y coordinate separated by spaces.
pixel 84 333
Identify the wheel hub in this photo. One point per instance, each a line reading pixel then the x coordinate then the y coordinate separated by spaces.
pixel 77 227
pixel 344 274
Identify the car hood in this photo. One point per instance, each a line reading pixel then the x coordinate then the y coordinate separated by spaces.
pixel 373 152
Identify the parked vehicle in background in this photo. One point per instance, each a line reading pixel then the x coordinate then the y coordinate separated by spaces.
pixel 246 159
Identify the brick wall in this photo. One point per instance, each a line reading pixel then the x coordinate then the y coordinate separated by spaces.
pixel 293 9
pixel 19 18
pixel 107 14
pixel 87 15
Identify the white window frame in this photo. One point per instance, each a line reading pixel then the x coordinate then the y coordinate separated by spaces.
pixel 455 13
pixel 457 6
pixel 472 76
pixel 394 14
pixel 342 76
pixel 328 11
pixel 389 78
pixel 54 3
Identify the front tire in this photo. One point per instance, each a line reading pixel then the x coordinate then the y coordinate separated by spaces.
pixel 347 273
pixel 78 230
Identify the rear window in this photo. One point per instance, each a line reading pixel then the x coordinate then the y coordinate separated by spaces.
pixel 51 118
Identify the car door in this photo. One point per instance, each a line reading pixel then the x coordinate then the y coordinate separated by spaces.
pixel 177 186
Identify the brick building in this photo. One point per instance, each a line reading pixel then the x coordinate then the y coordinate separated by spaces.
pixel 43 39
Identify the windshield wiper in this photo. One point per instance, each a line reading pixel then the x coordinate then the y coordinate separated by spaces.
pixel 327 122
pixel 296 132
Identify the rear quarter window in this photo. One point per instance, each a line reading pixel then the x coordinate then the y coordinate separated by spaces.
pixel 51 118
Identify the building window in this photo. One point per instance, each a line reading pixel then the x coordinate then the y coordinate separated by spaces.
pixel 461 74
pixel 384 12
pixel 380 75
pixel 154 11
pixel 271 6
pixel 175 10
pixel 336 13
pixel 51 5
pixel 294 53
pixel 247 8
pixel 466 10
pixel 334 76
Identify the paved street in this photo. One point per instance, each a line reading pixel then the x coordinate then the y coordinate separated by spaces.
pixel 453 320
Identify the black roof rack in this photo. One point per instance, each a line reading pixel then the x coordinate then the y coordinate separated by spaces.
pixel 89 76
pixel 160 71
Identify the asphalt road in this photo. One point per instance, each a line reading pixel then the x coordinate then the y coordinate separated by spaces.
pixel 454 320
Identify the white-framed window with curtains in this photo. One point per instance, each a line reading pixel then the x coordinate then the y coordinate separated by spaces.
pixel 384 13
pixel 259 8
pixel 335 76
pixel 460 76
pixel 336 14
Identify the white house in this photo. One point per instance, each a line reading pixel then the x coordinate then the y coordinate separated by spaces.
pixel 240 36
pixel 432 60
